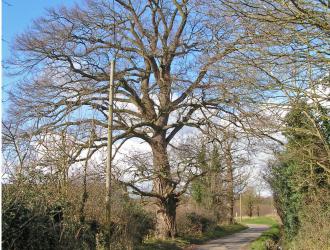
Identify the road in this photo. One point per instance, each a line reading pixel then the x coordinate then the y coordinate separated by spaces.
pixel 235 241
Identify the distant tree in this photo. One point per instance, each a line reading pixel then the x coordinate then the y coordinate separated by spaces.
pixel 222 164
pixel 199 186
pixel 250 201
pixel 234 177
pixel 208 190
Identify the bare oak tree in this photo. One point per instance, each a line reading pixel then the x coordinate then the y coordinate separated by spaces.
pixel 167 54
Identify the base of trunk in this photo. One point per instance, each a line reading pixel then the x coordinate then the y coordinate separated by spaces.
pixel 166 218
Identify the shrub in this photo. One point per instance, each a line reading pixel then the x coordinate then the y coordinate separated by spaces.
pixel 24 228
pixel 40 217
pixel 194 224
pixel 314 232
pixel 130 226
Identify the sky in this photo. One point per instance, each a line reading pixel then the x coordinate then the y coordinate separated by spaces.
pixel 17 15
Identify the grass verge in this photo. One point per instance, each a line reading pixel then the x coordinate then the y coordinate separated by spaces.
pixel 270 221
pixel 183 242
pixel 267 238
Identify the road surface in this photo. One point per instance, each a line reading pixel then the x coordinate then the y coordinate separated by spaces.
pixel 235 241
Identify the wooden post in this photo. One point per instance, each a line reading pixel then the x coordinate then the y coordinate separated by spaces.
pixel 240 207
pixel 109 149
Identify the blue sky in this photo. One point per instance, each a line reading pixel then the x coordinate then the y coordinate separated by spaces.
pixel 17 15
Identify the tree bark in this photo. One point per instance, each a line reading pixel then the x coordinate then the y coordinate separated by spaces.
pixel 231 198
pixel 164 186
pixel 166 217
pixel 230 186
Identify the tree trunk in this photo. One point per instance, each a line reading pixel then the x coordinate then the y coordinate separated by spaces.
pixel 230 206
pixel 250 208
pixel 230 186
pixel 164 187
pixel 231 209
pixel 165 219
pixel 258 210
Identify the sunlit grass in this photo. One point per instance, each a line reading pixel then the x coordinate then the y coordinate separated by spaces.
pixel 265 220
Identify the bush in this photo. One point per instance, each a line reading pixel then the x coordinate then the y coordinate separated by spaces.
pixel 140 225
pixel 314 232
pixel 26 227
pixel 23 228
pixel 194 224
pixel 288 199
pixel 130 226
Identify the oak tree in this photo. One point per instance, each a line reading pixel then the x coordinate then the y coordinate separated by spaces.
pixel 168 56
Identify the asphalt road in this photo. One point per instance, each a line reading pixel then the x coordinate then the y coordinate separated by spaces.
pixel 235 241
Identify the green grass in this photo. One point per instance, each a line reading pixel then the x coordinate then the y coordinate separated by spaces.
pixel 270 221
pixel 272 234
pixel 182 242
